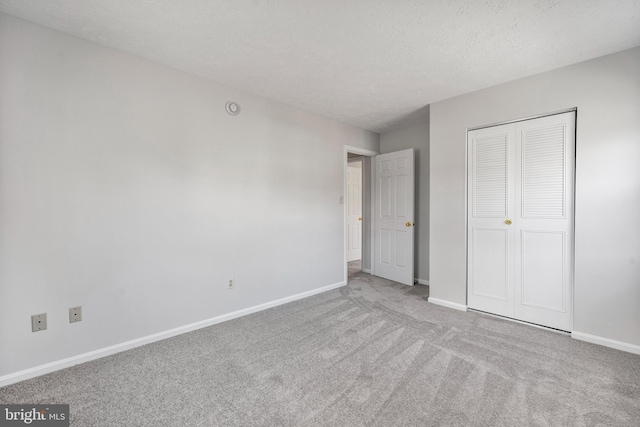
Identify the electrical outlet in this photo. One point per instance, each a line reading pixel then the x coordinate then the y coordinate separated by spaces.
pixel 38 322
pixel 75 314
pixel 231 284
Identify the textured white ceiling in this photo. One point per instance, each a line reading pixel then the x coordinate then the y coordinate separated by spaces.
pixel 372 63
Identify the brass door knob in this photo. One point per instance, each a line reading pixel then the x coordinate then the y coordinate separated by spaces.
pixel 360 219
pixel 409 224
pixel 508 222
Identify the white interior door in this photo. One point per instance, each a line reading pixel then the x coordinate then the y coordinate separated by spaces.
pixel 394 216
pixel 354 212
pixel 520 231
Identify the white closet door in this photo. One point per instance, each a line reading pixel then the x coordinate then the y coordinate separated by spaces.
pixel 520 220
pixel 544 226
pixel 393 216
pixel 490 203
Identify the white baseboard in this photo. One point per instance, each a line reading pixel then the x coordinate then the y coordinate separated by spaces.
pixel 366 270
pixel 618 345
pixel 107 351
pixel 448 304
pixel 421 281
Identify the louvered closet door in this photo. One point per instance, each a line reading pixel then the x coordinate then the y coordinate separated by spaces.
pixel 491 241
pixel 544 225
pixel 520 219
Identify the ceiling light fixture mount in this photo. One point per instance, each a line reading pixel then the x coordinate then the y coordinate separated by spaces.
pixel 232 108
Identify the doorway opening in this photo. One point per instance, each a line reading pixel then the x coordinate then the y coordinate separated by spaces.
pixel 387 224
pixel 358 214
pixel 354 206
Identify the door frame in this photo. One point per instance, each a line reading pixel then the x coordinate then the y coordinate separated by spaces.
pixel 466 205
pixel 345 155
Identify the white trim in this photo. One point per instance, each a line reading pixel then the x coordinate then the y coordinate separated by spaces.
pixel 361 151
pixel 345 225
pixel 421 281
pixel 366 270
pixel 107 351
pixel 448 304
pixel 555 113
pixel 618 345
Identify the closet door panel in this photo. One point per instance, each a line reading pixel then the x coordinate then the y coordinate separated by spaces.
pixel 490 205
pixel 543 288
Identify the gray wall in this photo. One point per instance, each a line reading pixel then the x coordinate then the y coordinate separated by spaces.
pixel 126 188
pixel 606 92
pixel 416 137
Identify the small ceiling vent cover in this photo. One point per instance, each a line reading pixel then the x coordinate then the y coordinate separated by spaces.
pixel 232 108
